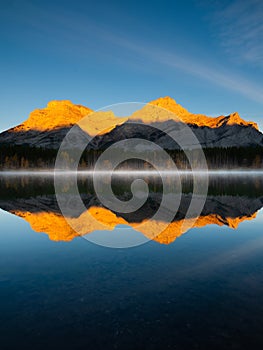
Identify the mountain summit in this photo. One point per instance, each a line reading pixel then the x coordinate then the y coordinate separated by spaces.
pixel 56 114
pixel 199 119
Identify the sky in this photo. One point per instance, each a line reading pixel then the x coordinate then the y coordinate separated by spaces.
pixel 207 55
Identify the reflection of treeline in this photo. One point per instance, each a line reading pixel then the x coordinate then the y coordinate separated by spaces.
pixel 26 186
pixel 26 157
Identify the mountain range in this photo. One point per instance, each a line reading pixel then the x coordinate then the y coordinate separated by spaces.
pixel 46 128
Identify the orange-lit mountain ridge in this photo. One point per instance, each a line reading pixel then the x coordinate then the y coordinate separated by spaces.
pixel 199 119
pixel 56 114
pixel 64 113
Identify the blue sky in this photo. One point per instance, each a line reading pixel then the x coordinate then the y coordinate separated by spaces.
pixel 207 55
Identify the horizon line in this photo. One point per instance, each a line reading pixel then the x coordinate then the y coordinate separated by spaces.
pixel 131 172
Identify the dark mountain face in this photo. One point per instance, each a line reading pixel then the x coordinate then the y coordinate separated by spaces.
pixel 223 136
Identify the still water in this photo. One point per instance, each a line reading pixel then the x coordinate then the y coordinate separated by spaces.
pixel 195 289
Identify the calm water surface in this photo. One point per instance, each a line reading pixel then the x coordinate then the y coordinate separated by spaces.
pixel 202 290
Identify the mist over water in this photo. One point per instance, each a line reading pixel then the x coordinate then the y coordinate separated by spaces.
pixel 130 172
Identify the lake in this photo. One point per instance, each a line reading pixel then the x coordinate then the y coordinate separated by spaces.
pixel 162 286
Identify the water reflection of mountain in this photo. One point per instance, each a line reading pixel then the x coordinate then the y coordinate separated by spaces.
pixel 229 202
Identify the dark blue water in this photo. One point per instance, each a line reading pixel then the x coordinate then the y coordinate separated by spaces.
pixel 204 290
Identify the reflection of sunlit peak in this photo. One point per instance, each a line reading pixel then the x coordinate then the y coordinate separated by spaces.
pixel 58 228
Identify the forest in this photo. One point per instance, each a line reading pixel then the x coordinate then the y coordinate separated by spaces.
pixel 13 157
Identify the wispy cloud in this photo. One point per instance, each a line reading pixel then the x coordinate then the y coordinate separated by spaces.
pixel 240 22
pixel 205 71
pixel 240 29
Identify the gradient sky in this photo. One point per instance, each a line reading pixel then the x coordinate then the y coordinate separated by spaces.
pixel 207 55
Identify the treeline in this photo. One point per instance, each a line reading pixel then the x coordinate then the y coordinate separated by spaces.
pixel 222 158
pixel 235 157
pixel 26 157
